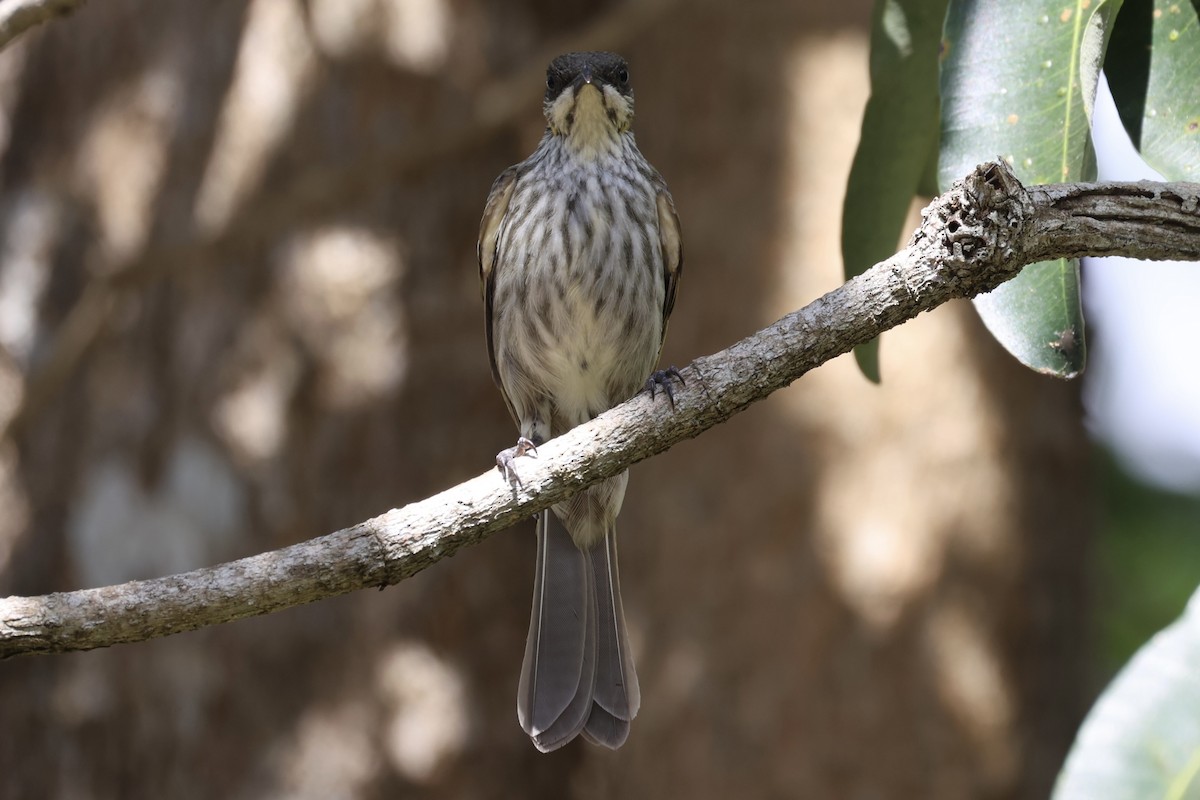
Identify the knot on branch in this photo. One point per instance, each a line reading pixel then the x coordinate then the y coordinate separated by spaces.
pixel 977 225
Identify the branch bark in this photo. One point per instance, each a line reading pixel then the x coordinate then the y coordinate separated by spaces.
pixel 971 239
pixel 18 16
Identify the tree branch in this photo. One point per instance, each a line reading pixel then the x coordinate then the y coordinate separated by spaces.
pixel 18 16
pixel 976 236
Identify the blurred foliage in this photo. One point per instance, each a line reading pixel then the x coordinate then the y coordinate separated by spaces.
pixel 899 134
pixel 1140 738
pixel 1148 561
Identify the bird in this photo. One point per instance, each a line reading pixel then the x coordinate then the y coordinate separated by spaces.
pixel 580 255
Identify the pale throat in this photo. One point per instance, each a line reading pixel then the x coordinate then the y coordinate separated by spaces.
pixel 590 132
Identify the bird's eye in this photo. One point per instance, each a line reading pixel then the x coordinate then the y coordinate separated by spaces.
pixel 551 82
pixel 623 76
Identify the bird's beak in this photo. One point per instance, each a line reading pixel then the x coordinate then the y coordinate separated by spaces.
pixel 585 77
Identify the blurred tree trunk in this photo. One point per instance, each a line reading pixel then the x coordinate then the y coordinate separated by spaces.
pixel 848 591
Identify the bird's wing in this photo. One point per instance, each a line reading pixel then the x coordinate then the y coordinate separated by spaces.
pixel 671 242
pixel 489 251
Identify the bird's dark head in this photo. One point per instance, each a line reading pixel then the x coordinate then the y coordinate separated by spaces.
pixel 588 98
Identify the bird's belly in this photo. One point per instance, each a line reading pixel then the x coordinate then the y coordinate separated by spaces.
pixel 604 348
pixel 579 296
pixel 584 339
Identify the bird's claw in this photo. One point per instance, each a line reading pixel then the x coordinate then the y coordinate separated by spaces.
pixel 661 379
pixel 505 458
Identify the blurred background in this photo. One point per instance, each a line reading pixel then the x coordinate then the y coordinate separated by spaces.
pixel 239 308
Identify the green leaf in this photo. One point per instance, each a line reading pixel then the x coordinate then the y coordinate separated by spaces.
pixel 867 357
pixel 927 186
pixel 1037 317
pixel 1019 79
pixel 1170 135
pixel 900 126
pixel 1152 67
pixel 1142 738
pixel 1127 63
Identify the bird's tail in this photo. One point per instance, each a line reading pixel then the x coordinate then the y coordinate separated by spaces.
pixel 578 674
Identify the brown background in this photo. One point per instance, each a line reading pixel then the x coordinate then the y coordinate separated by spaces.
pixel 239 308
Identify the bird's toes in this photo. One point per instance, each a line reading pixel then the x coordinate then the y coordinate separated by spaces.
pixel 664 379
pixel 505 460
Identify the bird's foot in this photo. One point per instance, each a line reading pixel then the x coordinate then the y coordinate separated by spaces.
pixel 662 379
pixel 505 459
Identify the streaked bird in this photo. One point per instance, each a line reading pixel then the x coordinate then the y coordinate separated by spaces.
pixel 580 257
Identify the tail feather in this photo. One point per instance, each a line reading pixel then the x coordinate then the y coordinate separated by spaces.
pixel 559 671
pixel 578 674
pixel 617 690
pixel 575 717
pixel 603 728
